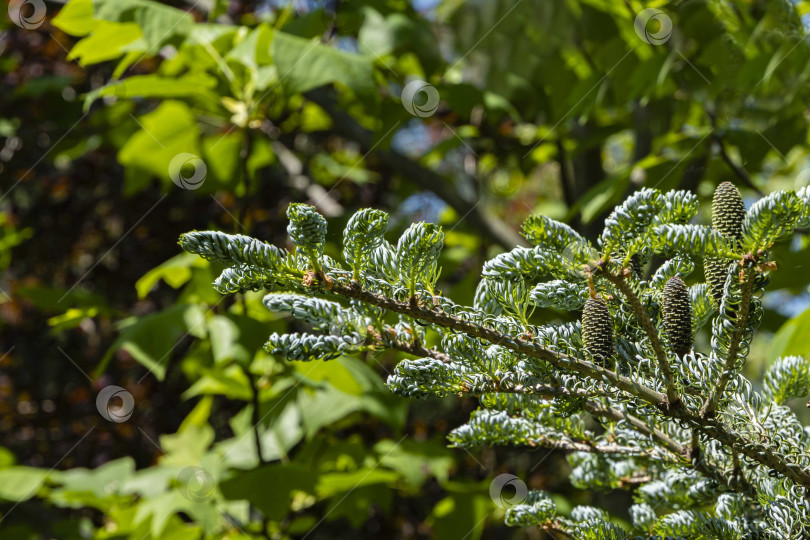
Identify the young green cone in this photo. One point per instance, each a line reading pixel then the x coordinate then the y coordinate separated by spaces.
pixel 715 272
pixel 597 328
pixel 728 212
pixel 676 311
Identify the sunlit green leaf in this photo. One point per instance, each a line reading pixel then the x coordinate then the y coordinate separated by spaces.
pixel 306 64
pixel 151 340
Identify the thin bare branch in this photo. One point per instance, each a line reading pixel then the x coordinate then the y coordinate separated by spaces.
pixel 708 426
pixel 652 333
pixel 710 405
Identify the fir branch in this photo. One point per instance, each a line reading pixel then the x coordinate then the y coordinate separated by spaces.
pixel 639 425
pixel 417 349
pixel 592 448
pixel 710 405
pixel 686 454
pixel 673 398
pixel 755 451
pixel 788 377
pixel 536 384
pixel 233 249
pixel 516 344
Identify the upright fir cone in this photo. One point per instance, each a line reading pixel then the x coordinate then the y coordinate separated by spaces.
pixel 597 328
pixel 716 273
pixel 728 212
pixel 676 311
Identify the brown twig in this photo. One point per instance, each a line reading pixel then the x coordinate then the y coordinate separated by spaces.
pixel 476 214
pixel 639 425
pixel 741 173
pixel 710 405
pixel 256 420
pixel 682 454
pixel 652 333
pixel 255 414
pixel 418 349
pixel 590 447
pixel 708 426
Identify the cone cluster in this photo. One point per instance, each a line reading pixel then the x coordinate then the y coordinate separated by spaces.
pixel 676 311
pixel 597 328
pixel 728 212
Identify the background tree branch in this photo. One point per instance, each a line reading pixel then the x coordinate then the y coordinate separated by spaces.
pixel 473 211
